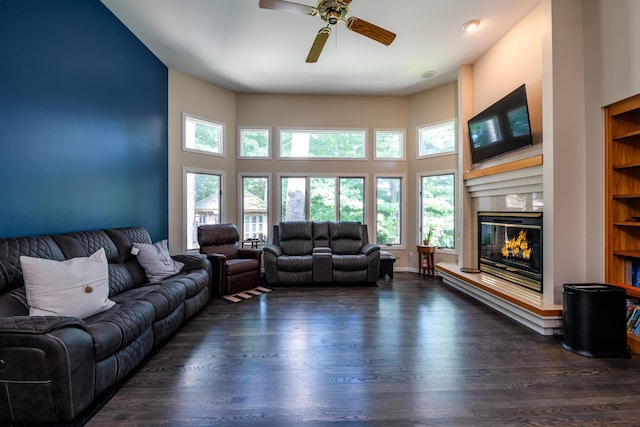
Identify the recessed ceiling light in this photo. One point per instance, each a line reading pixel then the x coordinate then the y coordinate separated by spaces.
pixel 471 25
pixel 428 74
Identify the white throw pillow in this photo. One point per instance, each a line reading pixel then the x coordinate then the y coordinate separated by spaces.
pixel 77 287
pixel 156 261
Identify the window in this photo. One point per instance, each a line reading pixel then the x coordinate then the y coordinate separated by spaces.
pixel 439 138
pixel 254 143
pixel 203 202
pixel 323 144
pixel 389 144
pixel 438 209
pixel 389 210
pixel 202 135
pixel 329 198
pixel 255 208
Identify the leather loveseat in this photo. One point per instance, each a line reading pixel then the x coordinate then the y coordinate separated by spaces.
pixel 310 252
pixel 53 367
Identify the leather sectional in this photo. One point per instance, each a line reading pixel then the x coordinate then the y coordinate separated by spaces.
pixel 53 367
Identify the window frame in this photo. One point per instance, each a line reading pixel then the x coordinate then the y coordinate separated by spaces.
pixel 419 207
pixel 241 214
pixel 185 206
pixel 320 129
pixel 403 145
pixel 241 129
pixel 206 121
pixel 336 176
pixel 403 214
pixel 419 139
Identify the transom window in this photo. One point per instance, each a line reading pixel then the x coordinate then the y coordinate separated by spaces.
pixel 254 143
pixel 323 144
pixel 438 138
pixel 202 135
pixel 389 144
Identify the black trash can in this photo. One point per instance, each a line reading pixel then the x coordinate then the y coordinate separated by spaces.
pixel 594 320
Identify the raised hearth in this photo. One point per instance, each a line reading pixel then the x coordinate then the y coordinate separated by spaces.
pixel 523 305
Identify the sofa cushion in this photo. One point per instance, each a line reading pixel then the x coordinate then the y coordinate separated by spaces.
pixel 115 329
pixel 295 263
pixel 76 287
pixel 156 261
pixel 239 266
pixel 346 237
pixel 296 238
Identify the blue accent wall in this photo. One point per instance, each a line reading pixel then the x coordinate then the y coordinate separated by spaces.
pixel 83 122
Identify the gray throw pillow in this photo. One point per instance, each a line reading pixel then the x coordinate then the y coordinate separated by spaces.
pixel 156 261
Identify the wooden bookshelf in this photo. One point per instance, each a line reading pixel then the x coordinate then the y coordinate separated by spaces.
pixel 622 195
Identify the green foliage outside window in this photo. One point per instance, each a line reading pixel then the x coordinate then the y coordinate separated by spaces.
pixel 437 139
pixel 322 144
pixel 254 142
pixel 388 207
pixel 438 209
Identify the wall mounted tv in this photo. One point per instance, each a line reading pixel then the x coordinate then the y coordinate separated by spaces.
pixel 501 128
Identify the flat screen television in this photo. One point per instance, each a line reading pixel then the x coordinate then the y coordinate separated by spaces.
pixel 501 128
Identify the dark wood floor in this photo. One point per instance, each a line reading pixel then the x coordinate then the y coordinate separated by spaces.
pixel 410 352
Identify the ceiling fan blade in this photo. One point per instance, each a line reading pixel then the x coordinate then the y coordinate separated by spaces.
pixel 370 30
pixel 288 6
pixel 318 44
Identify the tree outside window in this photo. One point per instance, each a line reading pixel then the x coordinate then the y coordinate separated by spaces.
pixel 254 143
pixel 438 209
pixel 388 210
pixel 439 138
pixel 203 203
pixel 202 135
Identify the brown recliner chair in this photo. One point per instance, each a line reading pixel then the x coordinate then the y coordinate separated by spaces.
pixel 234 269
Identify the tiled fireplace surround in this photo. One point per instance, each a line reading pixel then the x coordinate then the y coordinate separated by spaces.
pixel 517 190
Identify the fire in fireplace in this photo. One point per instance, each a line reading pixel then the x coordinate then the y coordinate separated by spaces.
pixel 510 247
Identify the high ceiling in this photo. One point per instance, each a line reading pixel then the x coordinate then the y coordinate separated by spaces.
pixel 236 45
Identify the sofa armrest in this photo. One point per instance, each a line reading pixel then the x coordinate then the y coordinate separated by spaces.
pixel 250 253
pixel 191 261
pixel 322 250
pixel 38 324
pixel 369 248
pixel 273 249
pixel 48 360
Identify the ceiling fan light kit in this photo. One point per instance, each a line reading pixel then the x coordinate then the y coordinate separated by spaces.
pixel 331 11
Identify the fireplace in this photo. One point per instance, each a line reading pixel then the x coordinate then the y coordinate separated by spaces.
pixel 510 247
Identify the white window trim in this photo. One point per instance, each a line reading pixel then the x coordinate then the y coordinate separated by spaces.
pixel 403 217
pixel 277 207
pixel 269 144
pixel 204 120
pixel 433 124
pixel 320 129
pixel 456 211
pixel 403 145
pixel 270 209
pixel 185 215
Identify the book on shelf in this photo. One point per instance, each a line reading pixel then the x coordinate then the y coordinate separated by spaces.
pixel 632 273
pixel 633 316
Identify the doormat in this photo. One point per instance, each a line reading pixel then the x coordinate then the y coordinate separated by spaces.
pixel 241 296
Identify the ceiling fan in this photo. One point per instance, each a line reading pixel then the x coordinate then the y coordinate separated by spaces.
pixel 331 11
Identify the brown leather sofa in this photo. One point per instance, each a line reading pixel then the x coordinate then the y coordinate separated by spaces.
pixel 51 367
pixel 235 269
pixel 310 252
